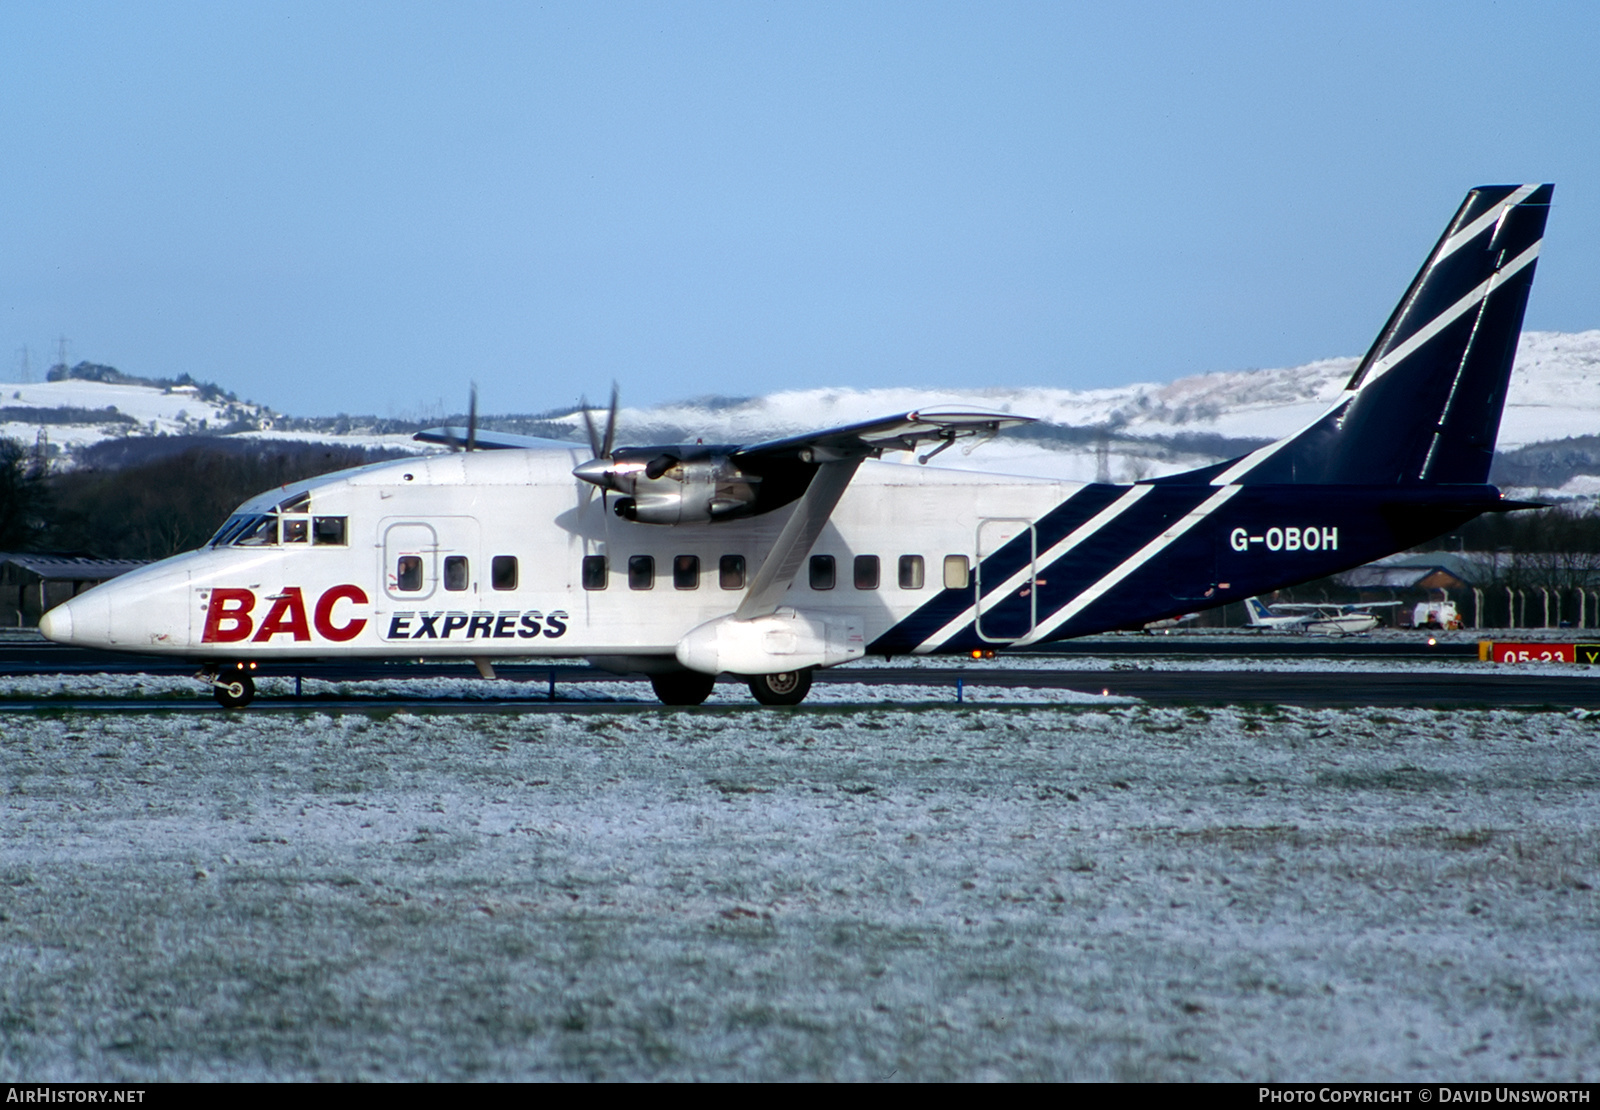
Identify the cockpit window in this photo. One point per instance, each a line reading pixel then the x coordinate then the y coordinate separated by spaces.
pixel 261 529
pixel 260 532
pixel 247 529
pixel 329 530
pixel 229 529
pixel 299 503
pixel 253 529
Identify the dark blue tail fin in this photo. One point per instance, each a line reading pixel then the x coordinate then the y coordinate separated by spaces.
pixel 1424 405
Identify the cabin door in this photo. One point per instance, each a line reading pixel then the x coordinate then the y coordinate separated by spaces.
pixel 422 560
pixel 1007 608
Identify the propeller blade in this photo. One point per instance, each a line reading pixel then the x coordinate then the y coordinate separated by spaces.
pixel 472 417
pixel 588 423
pixel 611 424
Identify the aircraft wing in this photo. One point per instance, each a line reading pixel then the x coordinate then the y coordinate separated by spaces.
pixel 902 432
pixel 1311 607
pixel 489 441
pixel 839 452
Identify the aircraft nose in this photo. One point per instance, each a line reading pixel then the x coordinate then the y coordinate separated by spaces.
pixel 84 620
pixel 57 624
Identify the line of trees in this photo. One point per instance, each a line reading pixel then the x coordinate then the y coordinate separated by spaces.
pixel 23 498
pixel 153 507
pixel 1556 548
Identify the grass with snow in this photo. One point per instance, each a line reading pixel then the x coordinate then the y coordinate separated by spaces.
pixel 1018 893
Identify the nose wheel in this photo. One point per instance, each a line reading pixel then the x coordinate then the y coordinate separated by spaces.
pixel 233 687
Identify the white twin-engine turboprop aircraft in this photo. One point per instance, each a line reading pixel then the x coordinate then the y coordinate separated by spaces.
pixel 768 560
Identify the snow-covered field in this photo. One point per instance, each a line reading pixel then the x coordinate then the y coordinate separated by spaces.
pixel 1046 892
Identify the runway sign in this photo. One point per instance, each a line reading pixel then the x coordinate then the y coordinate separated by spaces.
pixel 1538 652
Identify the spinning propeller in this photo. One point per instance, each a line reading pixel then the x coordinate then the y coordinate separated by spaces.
pixel 472 424
pixel 602 446
pixel 597 470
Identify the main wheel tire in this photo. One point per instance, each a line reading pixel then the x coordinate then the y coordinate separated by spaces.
pixel 233 691
pixel 785 688
pixel 683 687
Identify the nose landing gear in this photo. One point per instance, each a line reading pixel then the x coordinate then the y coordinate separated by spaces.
pixel 231 684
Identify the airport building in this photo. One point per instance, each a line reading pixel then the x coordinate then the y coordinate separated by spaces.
pixel 31 584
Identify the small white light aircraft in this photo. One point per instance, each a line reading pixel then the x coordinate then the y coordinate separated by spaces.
pixel 1171 624
pixel 767 560
pixel 1317 620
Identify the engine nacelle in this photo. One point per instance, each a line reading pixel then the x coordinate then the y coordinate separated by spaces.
pixel 665 487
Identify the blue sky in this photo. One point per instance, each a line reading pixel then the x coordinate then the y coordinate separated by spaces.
pixel 362 206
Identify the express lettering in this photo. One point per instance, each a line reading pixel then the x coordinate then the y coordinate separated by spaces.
pixel 507 624
pixel 229 617
pixel 1289 538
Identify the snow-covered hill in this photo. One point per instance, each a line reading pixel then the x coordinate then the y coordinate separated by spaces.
pixel 1135 431
pixel 1555 393
pixel 76 413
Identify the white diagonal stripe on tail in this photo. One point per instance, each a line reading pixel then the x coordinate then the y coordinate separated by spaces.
pixel 1132 563
pixel 1078 535
pixel 1476 227
pixel 1392 359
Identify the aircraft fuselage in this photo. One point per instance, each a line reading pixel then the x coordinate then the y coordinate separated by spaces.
pixel 502 554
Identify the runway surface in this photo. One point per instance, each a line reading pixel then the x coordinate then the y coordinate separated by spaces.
pixel 1158 670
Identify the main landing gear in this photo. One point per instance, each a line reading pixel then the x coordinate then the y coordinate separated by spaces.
pixel 683 687
pixel 692 688
pixel 231 684
pixel 785 688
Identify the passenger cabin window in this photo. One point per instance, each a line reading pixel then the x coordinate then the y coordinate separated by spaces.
pixel 956 572
pixel 686 572
pixel 455 572
pixel 866 569
pixel 641 572
pixel 911 572
pixel 408 573
pixel 730 572
pixel 503 572
pixel 329 531
pixel 594 572
pixel 822 572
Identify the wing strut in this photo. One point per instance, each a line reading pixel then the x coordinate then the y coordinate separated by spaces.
pixel 793 544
